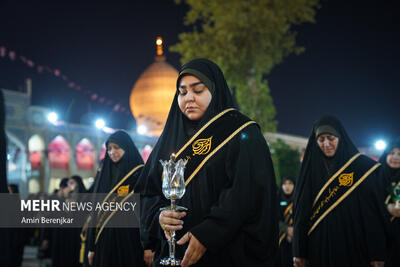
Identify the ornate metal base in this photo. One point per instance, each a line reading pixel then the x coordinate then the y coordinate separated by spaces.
pixel 170 262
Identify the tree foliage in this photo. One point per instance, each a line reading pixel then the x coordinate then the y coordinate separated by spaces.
pixel 246 38
pixel 286 160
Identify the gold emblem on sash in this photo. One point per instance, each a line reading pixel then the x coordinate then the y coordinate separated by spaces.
pixel 123 190
pixel 202 146
pixel 346 179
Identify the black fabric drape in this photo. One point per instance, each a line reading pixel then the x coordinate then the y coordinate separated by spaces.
pixel 65 242
pixel 231 200
pixel 389 178
pixel 3 145
pixel 353 234
pixel 5 256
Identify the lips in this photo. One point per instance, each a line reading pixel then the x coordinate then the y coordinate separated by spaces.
pixel 189 109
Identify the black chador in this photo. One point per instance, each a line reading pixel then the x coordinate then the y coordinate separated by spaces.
pixel 64 242
pixel 338 210
pixel 230 192
pixel 3 145
pixel 285 202
pixel 117 247
pixel 5 247
pixel 391 177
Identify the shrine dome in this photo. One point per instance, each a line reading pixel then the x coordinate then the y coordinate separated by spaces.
pixel 152 94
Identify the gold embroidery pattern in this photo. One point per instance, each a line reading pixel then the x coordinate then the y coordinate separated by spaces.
pixel 334 176
pixel 120 182
pixel 332 193
pixel 346 179
pixel 216 150
pixel 202 129
pixel 343 197
pixel 123 190
pixel 111 215
pixel 202 146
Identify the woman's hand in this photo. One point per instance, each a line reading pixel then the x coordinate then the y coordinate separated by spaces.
pixel 194 251
pixel 289 234
pixel 171 221
pixel 299 262
pixel 45 245
pixel 394 210
pixel 377 263
pixel 90 257
pixel 148 257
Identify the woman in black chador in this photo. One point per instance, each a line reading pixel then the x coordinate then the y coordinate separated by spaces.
pixel 117 247
pixel 338 209
pixel 230 184
pixel 285 201
pixel 65 241
pixel 390 171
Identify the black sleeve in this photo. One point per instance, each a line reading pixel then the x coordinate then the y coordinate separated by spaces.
pixel 150 230
pixel 372 208
pixel 3 147
pixel 302 212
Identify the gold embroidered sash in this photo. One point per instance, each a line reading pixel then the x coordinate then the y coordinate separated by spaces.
pixel 288 219
pixel 336 189
pixel 83 236
pixel 210 139
pixel 124 191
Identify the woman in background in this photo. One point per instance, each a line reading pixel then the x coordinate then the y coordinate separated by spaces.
pixel 390 171
pixel 285 198
pixel 117 247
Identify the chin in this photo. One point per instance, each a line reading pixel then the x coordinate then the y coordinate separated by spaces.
pixel 193 116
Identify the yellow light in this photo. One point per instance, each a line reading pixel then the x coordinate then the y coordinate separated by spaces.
pixel 159 41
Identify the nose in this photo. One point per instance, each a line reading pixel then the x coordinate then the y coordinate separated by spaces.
pixel 326 142
pixel 190 96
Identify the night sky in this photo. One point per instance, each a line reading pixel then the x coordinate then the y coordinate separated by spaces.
pixel 349 69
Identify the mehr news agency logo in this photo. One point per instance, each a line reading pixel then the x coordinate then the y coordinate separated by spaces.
pixel 54 206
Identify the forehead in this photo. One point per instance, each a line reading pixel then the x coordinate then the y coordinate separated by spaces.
pixel 395 150
pixel 112 144
pixel 188 79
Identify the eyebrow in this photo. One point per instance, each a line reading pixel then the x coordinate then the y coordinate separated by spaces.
pixel 191 85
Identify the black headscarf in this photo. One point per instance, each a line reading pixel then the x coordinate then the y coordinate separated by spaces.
pixel 112 172
pixel 391 175
pixel 178 128
pixel 80 186
pixel 315 160
pixel 63 182
pixel 281 193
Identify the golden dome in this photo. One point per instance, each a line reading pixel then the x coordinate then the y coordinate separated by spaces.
pixel 152 94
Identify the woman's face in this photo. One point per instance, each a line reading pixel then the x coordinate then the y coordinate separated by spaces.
pixel 115 152
pixel 328 144
pixel 287 187
pixel 72 184
pixel 393 158
pixel 193 97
